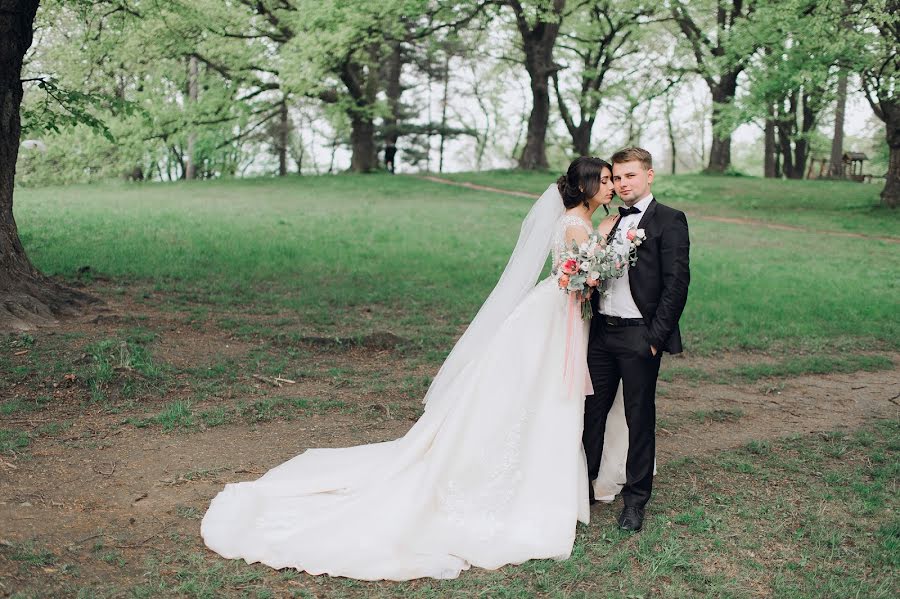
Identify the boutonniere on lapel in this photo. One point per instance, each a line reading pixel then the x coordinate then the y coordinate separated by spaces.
pixel 635 236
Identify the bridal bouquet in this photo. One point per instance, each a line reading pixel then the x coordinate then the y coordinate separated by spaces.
pixel 584 268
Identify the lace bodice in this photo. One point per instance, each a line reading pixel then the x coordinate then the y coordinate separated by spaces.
pixel 558 243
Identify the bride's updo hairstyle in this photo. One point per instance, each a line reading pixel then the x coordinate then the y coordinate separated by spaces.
pixel 581 181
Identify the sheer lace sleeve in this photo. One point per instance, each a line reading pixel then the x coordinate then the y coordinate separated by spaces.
pixel 568 228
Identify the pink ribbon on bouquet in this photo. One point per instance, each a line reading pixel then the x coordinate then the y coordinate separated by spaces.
pixel 575 341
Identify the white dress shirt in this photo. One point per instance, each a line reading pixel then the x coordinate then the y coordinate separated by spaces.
pixel 619 301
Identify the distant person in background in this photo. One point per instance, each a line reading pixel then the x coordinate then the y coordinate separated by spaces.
pixel 390 151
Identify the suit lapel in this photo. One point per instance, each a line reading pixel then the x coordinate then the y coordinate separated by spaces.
pixel 634 270
pixel 647 215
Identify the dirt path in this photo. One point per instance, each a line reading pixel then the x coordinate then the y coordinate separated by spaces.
pixel 706 217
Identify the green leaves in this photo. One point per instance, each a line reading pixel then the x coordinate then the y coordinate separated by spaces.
pixel 62 107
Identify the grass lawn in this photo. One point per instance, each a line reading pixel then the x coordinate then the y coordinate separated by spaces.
pixel 357 254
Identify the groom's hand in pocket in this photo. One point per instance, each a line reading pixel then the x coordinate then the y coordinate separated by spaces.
pixel 653 350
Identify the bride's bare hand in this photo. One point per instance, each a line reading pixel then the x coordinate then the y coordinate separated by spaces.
pixel 607 224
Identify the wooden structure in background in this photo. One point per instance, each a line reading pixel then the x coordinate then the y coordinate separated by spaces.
pixel 851 168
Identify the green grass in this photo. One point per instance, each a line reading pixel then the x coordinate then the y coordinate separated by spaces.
pixel 180 415
pixel 717 415
pixel 15 406
pixel 807 365
pixel 123 366
pixel 353 255
pixel 30 554
pixel 14 442
pixel 783 368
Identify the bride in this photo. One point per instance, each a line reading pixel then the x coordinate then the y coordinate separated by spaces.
pixel 493 473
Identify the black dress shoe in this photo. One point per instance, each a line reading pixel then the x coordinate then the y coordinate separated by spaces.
pixel 631 518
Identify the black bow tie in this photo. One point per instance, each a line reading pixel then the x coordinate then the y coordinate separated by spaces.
pixel 623 212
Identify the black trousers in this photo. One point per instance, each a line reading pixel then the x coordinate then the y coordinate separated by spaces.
pixel 623 353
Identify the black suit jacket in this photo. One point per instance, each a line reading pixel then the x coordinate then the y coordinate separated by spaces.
pixel 659 280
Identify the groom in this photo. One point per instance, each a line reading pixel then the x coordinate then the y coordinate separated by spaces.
pixel 633 324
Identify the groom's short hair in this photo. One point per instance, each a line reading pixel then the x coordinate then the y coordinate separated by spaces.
pixel 633 153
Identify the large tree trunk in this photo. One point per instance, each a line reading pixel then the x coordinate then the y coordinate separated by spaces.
pixel 364 158
pixel 27 298
pixel 787 125
pixel 801 146
pixel 444 102
pixel 190 171
pixel 393 90
pixel 720 153
pixel 670 131
pixel 800 153
pixel 836 169
pixel 581 138
pixel 284 128
pixel 769 170
pixel 534 155
pixel 538 41
pixel 581 132
pixel 890 195
pixel 784 140
pixel 363 86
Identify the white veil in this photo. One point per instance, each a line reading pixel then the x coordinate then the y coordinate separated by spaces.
pixel 519 276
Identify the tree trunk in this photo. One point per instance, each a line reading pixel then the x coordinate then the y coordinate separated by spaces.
pixel 800 154
pixel 890 195
pixel 393 89
pixel 534 155
pixel 190 171
pixel 769 146
pixel 362 140
pixel 27 298
pixel 283 131
pixel 787 157
pixel 836 169
pixel 444 102
pixel 720 152
pixel 363 85
pixel 580 133
pixel 581 139
pixel 538 41
pixel 670 130
pixel 787 126
pixel 801 146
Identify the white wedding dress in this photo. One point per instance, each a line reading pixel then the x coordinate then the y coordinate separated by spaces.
pixel 493 472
